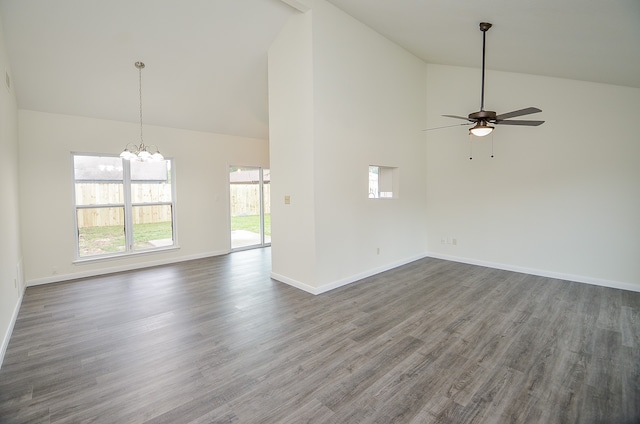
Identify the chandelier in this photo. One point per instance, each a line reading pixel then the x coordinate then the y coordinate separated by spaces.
pixel 141 152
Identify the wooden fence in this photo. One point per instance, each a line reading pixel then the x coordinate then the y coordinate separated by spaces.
pixel 245 200
pixel 112 194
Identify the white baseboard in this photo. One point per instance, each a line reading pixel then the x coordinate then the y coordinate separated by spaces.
pixel 533 271
pixel 542 273
pixel 295 283
pixel 7 336
pixel 344 281
pixel 111 270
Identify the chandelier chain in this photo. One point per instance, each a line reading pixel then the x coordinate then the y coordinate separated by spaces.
pixel 140 85
pixel 141 153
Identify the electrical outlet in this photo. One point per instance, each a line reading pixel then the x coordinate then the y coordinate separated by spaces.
pixel 378 251
pixel 454 241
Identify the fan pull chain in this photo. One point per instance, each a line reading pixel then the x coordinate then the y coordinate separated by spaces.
pixel 470 147
pixel 492 145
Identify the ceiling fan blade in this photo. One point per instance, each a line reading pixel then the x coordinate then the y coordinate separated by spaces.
pixel 447 126
pixel 521 112
pixel 458 117
pixel 519 122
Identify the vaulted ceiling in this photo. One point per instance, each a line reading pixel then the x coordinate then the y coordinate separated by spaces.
pixel 206 60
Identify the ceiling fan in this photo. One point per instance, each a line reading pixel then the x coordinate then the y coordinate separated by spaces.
pixel 485 119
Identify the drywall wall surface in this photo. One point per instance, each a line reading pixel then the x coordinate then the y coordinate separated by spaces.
pixel 201 162
pixel 560 199
pixel 293 251
pixel 342 97
pixel 10 248
pixel 370 109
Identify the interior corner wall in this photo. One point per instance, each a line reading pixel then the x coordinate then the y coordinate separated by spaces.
pixel 201 163
pixel 370 109
pixel 291 154
pixel 367 107
pixel 561 199
pixel 11 287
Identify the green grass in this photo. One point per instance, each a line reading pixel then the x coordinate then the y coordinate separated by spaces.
pixel 251 223
pixel 155 231
pixel 100 240
pixel 110 239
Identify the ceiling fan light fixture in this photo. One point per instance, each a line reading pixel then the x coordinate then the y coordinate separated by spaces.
pixel 481 129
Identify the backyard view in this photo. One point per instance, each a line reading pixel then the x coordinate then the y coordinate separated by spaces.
pixel 110 239
pixel 110 222
pixel 251 223
pixel 249 197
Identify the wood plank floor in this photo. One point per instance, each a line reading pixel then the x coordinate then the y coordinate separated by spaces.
pixel 217 341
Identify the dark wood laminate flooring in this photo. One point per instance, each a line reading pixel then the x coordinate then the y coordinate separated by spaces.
pixel 217 341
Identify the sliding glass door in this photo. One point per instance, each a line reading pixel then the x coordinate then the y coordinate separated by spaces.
pixel 250 207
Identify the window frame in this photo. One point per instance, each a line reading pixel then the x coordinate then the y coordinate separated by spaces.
pixel 128 207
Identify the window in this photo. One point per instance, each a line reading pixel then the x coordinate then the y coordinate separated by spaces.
pixel 121 206
pixel 383 182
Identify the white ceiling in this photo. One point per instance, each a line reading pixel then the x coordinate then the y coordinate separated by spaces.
pixel 207 59
pixel 591 40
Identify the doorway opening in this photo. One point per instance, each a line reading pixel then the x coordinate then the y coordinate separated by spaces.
pixel 250 207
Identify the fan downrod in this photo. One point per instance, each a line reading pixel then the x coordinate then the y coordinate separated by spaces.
pixel 484 27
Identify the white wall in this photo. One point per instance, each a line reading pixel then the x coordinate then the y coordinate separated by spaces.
pixel 201 167
pixel 561 199
pixel 291 152
pixel 368 109
pixel 10 251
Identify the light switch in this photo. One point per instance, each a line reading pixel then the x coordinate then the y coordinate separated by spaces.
pixel 287 200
